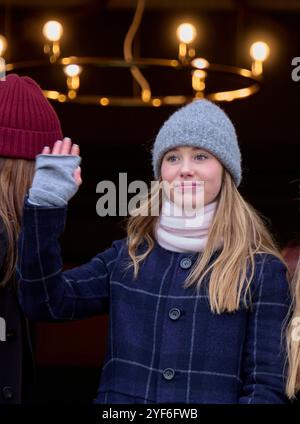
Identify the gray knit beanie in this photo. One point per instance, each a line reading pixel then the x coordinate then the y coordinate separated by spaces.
pixel 201 124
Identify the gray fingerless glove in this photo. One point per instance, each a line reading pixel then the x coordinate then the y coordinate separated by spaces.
pixel 53 183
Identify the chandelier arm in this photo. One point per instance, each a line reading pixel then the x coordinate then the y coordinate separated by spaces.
pixel 127 48
pixel 172 100
pixel 140 62
pixel 252 87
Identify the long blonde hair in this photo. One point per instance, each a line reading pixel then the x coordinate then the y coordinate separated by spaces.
pixel 293 342
pixel 15 179
pixel 243 234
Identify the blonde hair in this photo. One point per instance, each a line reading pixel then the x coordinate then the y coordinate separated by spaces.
pixel 15 179
pixel 236 225
pixel 293 380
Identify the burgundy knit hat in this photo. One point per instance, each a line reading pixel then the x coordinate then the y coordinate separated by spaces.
pixel 27 120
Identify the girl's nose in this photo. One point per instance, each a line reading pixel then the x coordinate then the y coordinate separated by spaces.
pixel 186 168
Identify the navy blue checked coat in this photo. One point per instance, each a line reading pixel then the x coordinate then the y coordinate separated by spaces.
pixel 17 373
pixel 164 344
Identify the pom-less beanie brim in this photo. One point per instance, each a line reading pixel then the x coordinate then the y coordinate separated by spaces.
pixel 28 122
pixel 22 144
pixel 201 124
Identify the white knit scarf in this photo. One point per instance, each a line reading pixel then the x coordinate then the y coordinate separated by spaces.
pixel 180 232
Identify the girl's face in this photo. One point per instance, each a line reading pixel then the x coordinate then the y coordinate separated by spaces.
pixel 182 167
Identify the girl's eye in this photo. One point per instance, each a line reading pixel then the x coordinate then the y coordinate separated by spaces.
pixel 171 158
pixel 200 156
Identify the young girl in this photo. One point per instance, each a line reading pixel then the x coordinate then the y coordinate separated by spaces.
pixel 27 123
pixel 197 303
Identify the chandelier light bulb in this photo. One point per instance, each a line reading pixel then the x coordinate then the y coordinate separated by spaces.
pixel 200 63
pixel 53 30
pixel 186 33
pixel 199 73
pixel 259 51
pixel 3 45
pixel 72 70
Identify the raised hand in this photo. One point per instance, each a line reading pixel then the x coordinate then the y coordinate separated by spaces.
pixel 65 147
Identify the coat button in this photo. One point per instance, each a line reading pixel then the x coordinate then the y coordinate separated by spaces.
pixel 168 373
pixel 7 393
pixel 185 263
pixel 174 313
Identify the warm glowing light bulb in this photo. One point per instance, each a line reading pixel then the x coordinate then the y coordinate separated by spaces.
pixel 259 51
pixel 72 70
pixel 53 30
pixel 199 73
pixel 104 101
pixel 3 45
pixel 186 33
pixel 200 63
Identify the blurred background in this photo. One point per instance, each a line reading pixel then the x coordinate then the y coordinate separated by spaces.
pixel 119 139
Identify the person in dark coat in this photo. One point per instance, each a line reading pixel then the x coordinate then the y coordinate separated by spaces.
pixel 197 294
pixel 27 123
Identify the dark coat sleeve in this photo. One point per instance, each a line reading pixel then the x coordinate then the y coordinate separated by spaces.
pixel 47 293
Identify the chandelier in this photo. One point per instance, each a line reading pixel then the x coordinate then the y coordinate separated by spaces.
pixel 197 69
